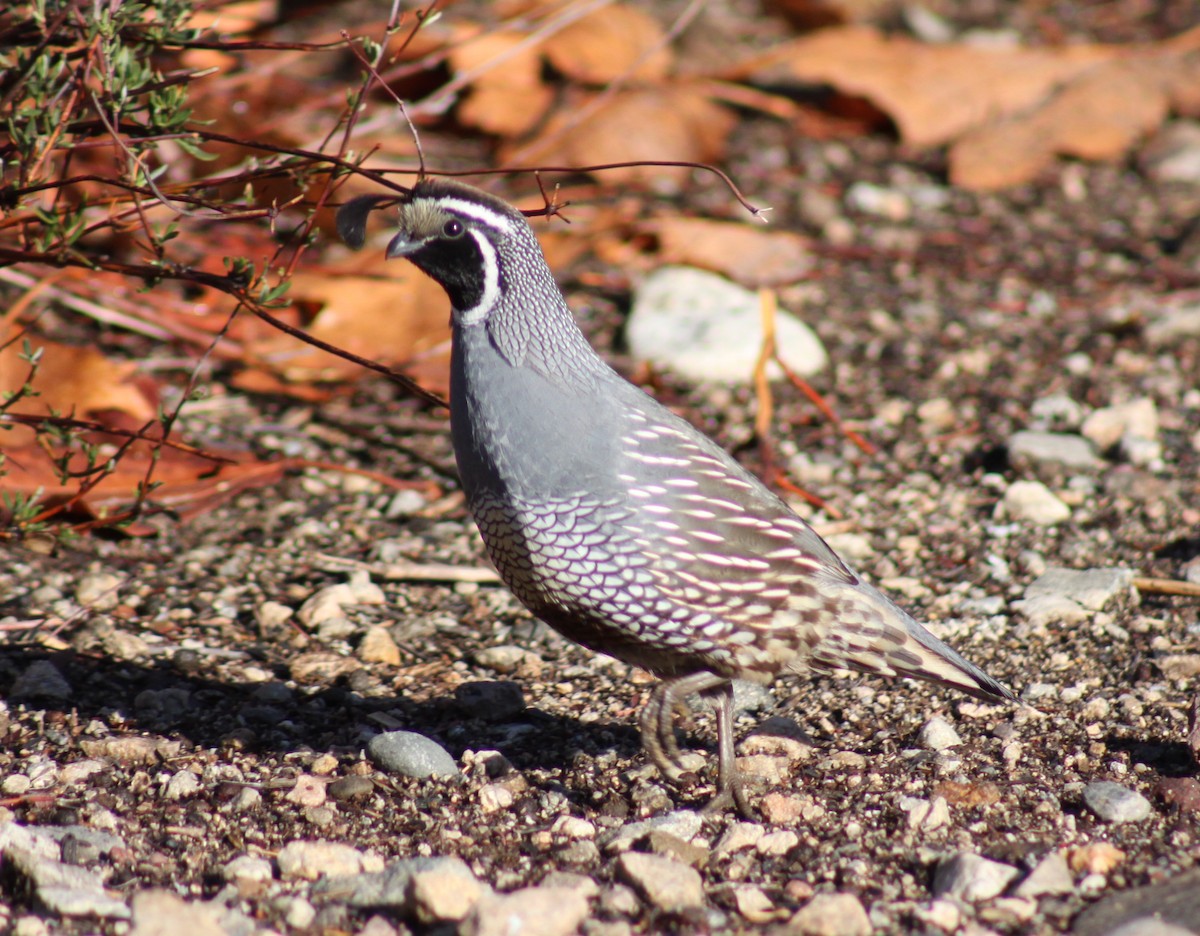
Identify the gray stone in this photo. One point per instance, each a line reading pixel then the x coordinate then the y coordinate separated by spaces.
pixel 1115 803
pixel 67 890
pixel 971 877
pixel 1175 323
pixel 1051 609
pixel 1173 155
pixel 40 680
pixel 1150 926
pixel 386 888
pixel 411 755
pixel 1059 448
pixel 683 824
pixel 1175 902
pixel 666 884
pixel 350 788
pixel 704 327
pixel 1092 589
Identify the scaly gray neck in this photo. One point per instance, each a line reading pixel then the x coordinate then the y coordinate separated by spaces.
pixel 532 327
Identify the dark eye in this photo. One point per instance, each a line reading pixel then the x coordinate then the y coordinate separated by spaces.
pixel 453 228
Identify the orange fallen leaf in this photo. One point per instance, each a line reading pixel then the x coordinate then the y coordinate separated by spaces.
pixel 1099 116
pixel 752 255
pixel 1012 110
pixel 389 319
pixel 507 96
pixel 671 123
pixel 934 93
pixel 614 42
pixel 71 380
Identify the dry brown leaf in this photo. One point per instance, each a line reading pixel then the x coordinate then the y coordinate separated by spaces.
pixel 1011 110
pixel 390 320
pixel 234 18
pixel 614 42
pixel 672 123
pixel 184 482
pixel 754 256
pixel 1099 116
pixel 934 93
pixel 507 97
pixel 72 381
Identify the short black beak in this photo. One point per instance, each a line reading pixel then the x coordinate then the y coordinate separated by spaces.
pixel 402 245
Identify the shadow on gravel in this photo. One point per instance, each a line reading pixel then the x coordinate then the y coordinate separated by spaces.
pixel 1168 758
pixel 168 698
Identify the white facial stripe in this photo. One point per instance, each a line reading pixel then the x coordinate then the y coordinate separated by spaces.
pixel 491 282
pixel 478 212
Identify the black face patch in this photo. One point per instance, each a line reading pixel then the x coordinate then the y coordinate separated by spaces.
pixel 458 264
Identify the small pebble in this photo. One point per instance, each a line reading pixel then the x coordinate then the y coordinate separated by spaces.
pixel 666 884
pixel 938 734
pixel 309 860
pixel 447 891
pixel 1115 803
pixel 831 915
pixel 531 911
pixel 971 877
pixel 411 755
pixel 1034 503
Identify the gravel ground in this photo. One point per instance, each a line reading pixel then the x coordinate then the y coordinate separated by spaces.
pixel 205 739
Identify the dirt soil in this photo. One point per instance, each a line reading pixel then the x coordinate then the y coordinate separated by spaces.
pixel 947 322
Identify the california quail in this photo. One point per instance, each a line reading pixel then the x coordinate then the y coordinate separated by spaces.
pixel 615 521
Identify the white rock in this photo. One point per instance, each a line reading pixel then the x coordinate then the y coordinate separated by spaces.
pixel 447 891
pixel 831 915
pixel 1092 589
pixel 1051 876
pixel 968 876
pixel 1057 448
pixel 309 860
pixel 533 911
pixel 938 734
pixel 99 591
pixel 1033 502
pixel 182 785
pixel 1137 418
pixel 247 868
pixel 706 328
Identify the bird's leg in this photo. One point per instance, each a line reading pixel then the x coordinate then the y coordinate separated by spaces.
pixel 657 719
pixel 729 781
pixel 658 734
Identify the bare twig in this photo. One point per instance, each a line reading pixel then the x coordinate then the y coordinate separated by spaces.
pixel 1159 586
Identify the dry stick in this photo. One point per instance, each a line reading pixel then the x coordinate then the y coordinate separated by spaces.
pixel 1159 586
pixel 826 410
pixel 768 307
